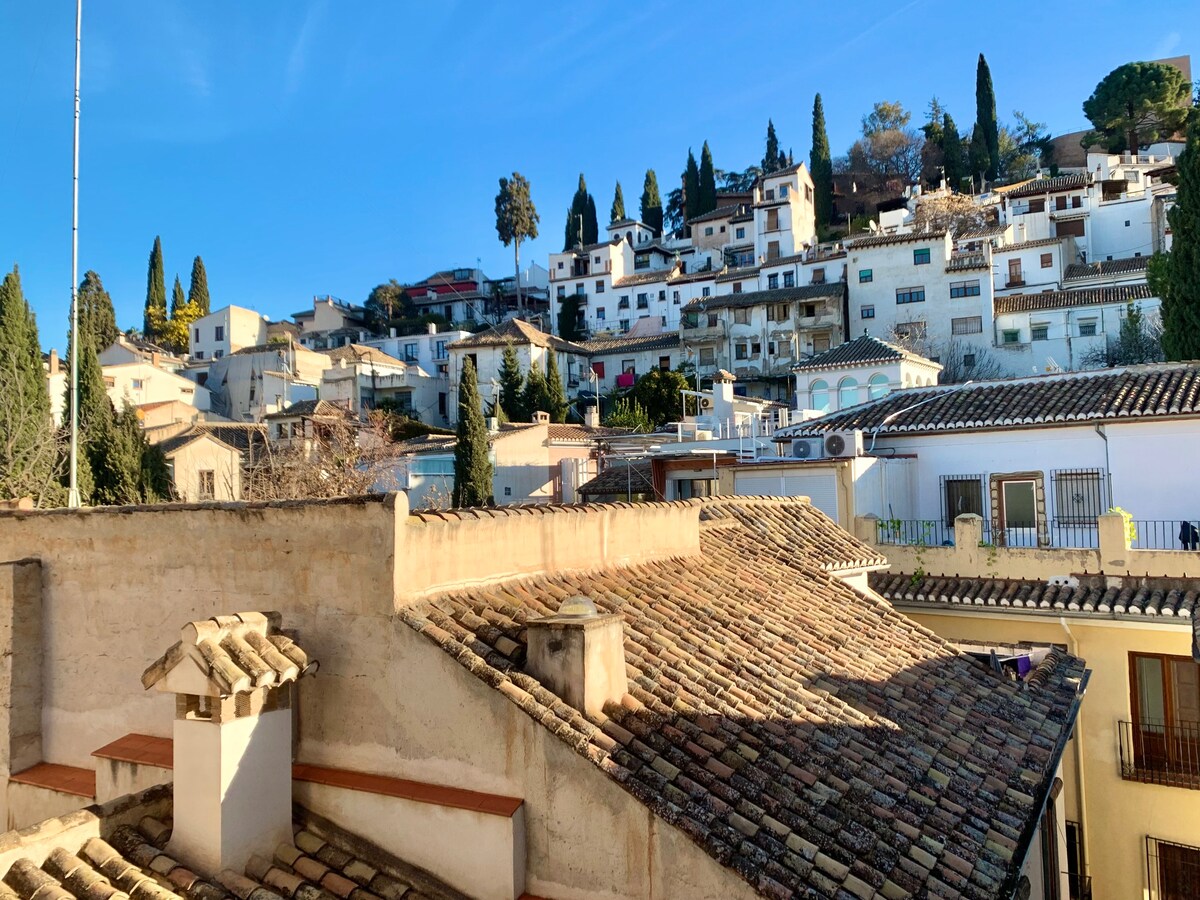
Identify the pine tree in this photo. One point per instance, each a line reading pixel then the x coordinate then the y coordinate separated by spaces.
pixel 708 182
pixel 472 468
pixel 556 398
pixel 28 451
pixel 691 191
pixel 985 116
pixel 96 315
pixel 771 159
pixel 1181 294
pixel 154 318
pixel 652 205
pixel 516 220
pixel 511 384
pixel 198 289
pixel 534 397
pixel 821 164
pixel 953 159
pixel 617 213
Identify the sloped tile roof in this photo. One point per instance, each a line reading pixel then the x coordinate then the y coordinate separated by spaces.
pixel 309 408
pixel 808 737
pixel 1161 600
pixel 1107 267
pixel 178 442
pixel 622 478
pixel 864 350
pixel 721 212
pixel 833 289
pixel 236 435
pixel 515 331
pixel 985 231
pixel 1137 392
pixel 1122 293
pixel 968 262
pixel 642 278
pixel 887 240
pixel 632 343
pixel 1029 245
pixel 361 353
pixel 1050 185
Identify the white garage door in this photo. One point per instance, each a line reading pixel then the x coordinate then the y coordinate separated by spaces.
pixel 820 488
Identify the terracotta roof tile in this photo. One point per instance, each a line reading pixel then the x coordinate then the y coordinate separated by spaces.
pixel 515 331
pixel 809 737
pixel 833 290
pixel 862 350
pixel 887 240
pixel 1106 268
pixel 1050 185
pixel 1123 293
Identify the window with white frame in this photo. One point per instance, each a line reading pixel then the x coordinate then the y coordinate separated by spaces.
pixel 967 325
pixel 1039 332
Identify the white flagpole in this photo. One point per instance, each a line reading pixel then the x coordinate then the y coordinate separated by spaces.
pixel 73 495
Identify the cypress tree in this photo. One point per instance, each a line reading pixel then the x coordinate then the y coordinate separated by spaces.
pixel 821 164
pixel 953 160
pixel 511 383
pixel 652 206
pixel 771 159
pixel 977 155
pixel 28 454
pixel 582 206
pixel 472 468
pixel 591 227
pixel 534 397
pixel 618 207
pixel 96 316
pixel 154 317
pixel 178 301
pixel 556 398
pixel 708 182
pixel 985 116
pixel 198 289
pixel 691 191
pixel 1181 294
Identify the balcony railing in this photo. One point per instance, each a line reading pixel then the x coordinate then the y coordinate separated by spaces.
pixel 1057 533
pixel 1154 752
pixel 1015 282
pixel 1173 870
pixel 705 332
pixel 1079 887
pixel 1162 534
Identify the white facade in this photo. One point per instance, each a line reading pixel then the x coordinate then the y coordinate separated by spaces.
pixel 133 384
pixel 225 331
pixel 251 384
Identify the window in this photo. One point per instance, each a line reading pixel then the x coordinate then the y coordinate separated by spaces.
pixel 1039 332
pixel 708 231
pixel 789 279
pixel 737 287
pixel 818 396
pixel 865 276
pixel 820 343
pixel 217 354
pixel 623 324
pixel 1126 223
pixel 911 330
pixel 704 292
pixel 783 191
pixel 1087 328
pixel 219 333
pixel 579 288
pixel 867 312
pixel 739 233
pixel 1174 870
pixel 878 386
pixel 1010 336
pixel 439 350
pixel 600 313
pixel 443 399
pixel 770 194
pixel 818 276
pixel 964 288
pixel 596 259
pixel 599 287
pixel 808 194
pixel 628 367
pixel 921 256
pixel 623 302
pixel 1037 206
pixel 410 352
pixel 1076 202
pixel 197 334
pixel 664 363
pixel 643 301
pixel 1018 504
pixel 755 348
pixel 962 495
pixel 968 360
pixel 562 291
pixel 772 249
pixel 967 325
pixel 206 484
pixel 675 297
pixel 910 295
pixel 711 318
pixel 1161 743
pixel 741 317
pixel 739 351
pixel 1047 260
pixel 199 354
pixel 1078 496
pixel 598 368
pixel 772 281
pixel 777 312
pixel 138 384
pixel 641 261
pixel 1060 202
pixel 507 491
pixel 708 356
pixel 847 393
pixel 662 296
pixel 1015 275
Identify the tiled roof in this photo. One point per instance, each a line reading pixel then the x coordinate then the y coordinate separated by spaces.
pixel 625 221
pixel 632 343
pixel 515 331
pixel 311 408
pixel 1137 392
pixel 1107 267
pixel 808 737
pixel 1121 293
pixel 558 431
pixel 986 231
pixel 968 262
pixel 179 441
pixel 739 274
pixel 1091 597
pixel 779 295
pixel 236 653
pixel 1049 185
pixel 721 212
pixel 362 353
pixel 643 278
pixel 235 435
pixel 622 478
pixel 426 443
pixel 887 240
pixel 864 350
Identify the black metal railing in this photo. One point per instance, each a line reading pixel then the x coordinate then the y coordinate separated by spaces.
pixel 1173 870
pixel 1155 752
pixel 1079 887
pixel 913 532
pixel 1165 534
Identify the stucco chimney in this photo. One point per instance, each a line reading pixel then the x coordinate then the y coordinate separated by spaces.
pixel 579 655
pixel 541 418
pixel 431 328
pixel 53 361
pixel 723 395
pixel 591 416
pixel 232 679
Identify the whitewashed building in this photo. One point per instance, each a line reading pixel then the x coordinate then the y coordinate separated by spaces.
pixel 225 331
pixel 859 370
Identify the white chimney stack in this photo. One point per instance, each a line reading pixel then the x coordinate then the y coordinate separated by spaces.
pixel 232 679
pixel 579 655
pixel 591 416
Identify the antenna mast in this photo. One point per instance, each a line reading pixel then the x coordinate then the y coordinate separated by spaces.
pixel 73 494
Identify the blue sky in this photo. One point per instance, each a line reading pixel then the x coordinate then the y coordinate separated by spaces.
pixel 317 147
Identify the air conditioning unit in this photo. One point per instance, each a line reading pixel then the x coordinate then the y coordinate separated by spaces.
pixel 808 448
pixel 706 402
pixel 844 443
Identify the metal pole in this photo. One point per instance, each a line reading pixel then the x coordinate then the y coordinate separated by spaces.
pixel 73 492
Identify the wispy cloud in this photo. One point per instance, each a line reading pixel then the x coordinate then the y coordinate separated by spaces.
pixel 1167 45
pixel 185 44
pixel 297 61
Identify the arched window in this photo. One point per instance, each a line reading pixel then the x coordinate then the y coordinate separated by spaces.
pixel 878 386
pixel 847 393
pixel 818 396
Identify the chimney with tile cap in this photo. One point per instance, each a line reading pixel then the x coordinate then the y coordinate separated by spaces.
pixel 232 679
pixel 579 654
